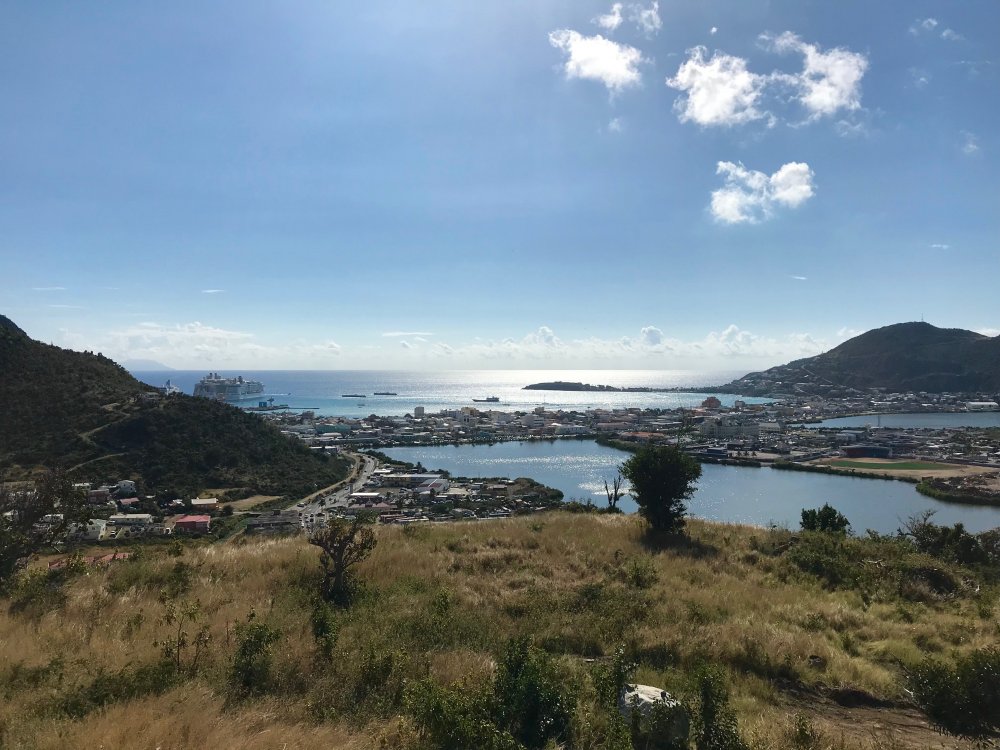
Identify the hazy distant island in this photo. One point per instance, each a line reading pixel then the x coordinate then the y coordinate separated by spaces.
pixel 562 385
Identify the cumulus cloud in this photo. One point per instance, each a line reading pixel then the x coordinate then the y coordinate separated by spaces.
pixel 750 196
pixel 598 59
pixel 647 20
pixel 652 336
pixel 991 332
pixel 951 35
pixel 716 91
pixel 616 125
pixel 829 81
pixel 714 30
pixel 611 20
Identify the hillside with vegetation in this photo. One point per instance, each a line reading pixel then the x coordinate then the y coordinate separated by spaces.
pixel 899 358
pixel 81 412
pixel 514 634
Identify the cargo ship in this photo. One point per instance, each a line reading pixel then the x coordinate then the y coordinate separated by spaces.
pixel 230 390
pixel 385 393
pixel 487 400
pixel 352 395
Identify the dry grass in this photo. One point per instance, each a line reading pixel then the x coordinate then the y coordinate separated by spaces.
pixel 440 602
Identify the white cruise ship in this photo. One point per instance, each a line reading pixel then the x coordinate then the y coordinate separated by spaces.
pixel 231 390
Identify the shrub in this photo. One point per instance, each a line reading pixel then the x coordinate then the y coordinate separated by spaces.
pixel 251 669
pixel 715 727
pixel 965 698
pixel 530 699
pixel 453 719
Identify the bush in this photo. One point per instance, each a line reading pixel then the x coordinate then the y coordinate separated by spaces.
pixel 530 698
pixel 251 669
pixel 453 719
pixel 963 699
pixel 716 727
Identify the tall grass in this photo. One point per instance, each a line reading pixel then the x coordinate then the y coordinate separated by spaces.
pixel 98 664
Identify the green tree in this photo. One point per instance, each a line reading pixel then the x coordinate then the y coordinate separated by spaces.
pixel 827 519
pixel 662 479
pixel 36 518
pixel 344 544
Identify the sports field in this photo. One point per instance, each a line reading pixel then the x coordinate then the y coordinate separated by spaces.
pixel 892 465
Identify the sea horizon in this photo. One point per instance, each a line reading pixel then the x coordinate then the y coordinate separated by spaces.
pixel 326 391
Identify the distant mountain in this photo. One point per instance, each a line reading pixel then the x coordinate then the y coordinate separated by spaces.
pixel 901 357
pixel 144 365
pixel 84 413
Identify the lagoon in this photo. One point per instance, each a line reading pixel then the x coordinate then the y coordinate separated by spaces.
pixel 725 493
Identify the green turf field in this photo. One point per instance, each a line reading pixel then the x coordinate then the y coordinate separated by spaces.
pixel 892 466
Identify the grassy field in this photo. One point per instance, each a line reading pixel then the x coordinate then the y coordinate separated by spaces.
pixel 815 635
pixel 891 465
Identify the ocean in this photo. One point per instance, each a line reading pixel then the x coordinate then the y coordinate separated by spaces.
pixel 323 390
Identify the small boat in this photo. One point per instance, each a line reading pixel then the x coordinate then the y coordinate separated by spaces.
pixel 487 400
pixel 385 393
pixel 353 395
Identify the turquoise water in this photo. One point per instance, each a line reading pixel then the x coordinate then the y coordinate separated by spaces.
pixel 725 493
pixel 323 390
pixel 927 421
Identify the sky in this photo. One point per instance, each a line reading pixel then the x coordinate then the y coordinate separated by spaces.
pixel 496 184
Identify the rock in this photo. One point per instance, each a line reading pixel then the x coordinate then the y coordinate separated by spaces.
pixel 653 711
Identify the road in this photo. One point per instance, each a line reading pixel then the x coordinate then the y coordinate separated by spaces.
pixel 322 501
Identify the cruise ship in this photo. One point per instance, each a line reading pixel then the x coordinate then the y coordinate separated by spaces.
pixel 235 389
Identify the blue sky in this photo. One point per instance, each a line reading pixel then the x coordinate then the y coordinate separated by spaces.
pixel 495 184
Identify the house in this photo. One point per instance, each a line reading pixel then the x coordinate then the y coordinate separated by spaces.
pixel 205 503
pixel 93 531
pixel 193 524
pixel 130 519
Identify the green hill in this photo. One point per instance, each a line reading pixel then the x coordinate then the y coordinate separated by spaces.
pixel 82 412
pixel 900 357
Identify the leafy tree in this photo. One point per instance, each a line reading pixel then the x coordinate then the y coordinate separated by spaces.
pixel 344 544
pixel 827 520
pixel 662 478
pixel 251 669
pixel 33 519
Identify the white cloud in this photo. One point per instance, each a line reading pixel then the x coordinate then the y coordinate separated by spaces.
pixel 991 332
pixel 598 59
pixel 750 196
pixel 616 125
pixel 611 20
pixel 652 336
pixel 717 91
pixel 923 24
pixel 951 35
pixel 647 20
pixel 48 289
pixel 213 291
pixel 940 246
pixel 67 307
pixel 405 344
pixel 714 30
pixel 799 278
pixel 829 81
pixel 970 143
pixel 398 334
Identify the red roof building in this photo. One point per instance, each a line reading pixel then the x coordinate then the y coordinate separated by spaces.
pixel 195 524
